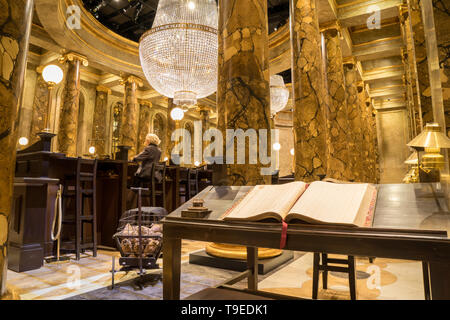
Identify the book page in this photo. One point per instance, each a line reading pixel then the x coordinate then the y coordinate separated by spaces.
pixel 267 201
pixel 332 203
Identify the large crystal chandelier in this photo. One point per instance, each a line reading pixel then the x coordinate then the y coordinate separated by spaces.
pixel 179 54
pixel 279 94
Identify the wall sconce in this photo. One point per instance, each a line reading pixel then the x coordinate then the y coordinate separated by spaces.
pixel 23 141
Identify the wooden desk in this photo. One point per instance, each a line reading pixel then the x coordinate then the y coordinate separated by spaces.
pixel 396 233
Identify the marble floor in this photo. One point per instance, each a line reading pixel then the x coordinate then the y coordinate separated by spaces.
pixel 90 279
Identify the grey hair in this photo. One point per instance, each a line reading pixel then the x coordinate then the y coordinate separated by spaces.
pixel 152 138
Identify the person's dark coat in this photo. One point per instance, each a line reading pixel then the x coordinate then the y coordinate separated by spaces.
pixel 150 155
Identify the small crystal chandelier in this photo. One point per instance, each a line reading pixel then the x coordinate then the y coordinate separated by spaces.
pixel 179 54
pixel 279 94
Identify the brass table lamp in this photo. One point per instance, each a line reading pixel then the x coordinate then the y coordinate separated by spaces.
pixel 430 141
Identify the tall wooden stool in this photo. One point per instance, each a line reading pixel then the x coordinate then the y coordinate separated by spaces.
pixel 156 188
pixel 192 183
pixel 349 268
pixel 80 189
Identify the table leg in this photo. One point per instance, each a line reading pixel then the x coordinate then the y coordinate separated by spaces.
pixel 171 268
pixel 252 265
pixel 439 280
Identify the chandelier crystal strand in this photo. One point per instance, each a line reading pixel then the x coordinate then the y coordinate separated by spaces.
pixel 279 94
pixel 179 54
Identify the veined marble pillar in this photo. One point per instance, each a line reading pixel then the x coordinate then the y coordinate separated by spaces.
pixel 374 156
pixel 420 49
pixel 411 81
pixel 309 106
pixel 40 105
pixel 15 26
pixel 68 119
pixel 130 114
pixel 204 116
pixel 339 137
pixel 99 127
pixel 366 177
pixel 170 128
pixel 144 124
pixel 243 94
pixel 442 27
pixel 355 121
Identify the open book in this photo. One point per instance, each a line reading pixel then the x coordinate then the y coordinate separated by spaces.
pixel 317 203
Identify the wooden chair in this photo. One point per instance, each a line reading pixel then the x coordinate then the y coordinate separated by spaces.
pixel 80 189
pixel 344 265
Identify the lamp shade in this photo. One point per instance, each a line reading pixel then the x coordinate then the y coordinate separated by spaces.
pixel 431 137
pixel 52 73
pixel 412 159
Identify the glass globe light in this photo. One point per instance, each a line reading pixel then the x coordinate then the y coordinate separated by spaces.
pixel 92 150
pixel 292 151
pixel 52 74
pixel 23 141
pixel 279 94
pixel 179 54
pixel 276 146
pixel 177 114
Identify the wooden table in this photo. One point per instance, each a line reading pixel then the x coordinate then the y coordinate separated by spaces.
pixel 400 216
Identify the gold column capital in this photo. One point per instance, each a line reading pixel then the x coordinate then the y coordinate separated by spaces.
pixel 146 103
pixel 72 56
pixel 350 62
pixel 131 79
pixel 101 88
pixel 331 26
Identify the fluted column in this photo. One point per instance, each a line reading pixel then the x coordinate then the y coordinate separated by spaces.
pixel 339 137
pixel 144 123
pixel 355 121
pixel 15 26
pixel 40 104
pixel 420 49
pixel 130 116
pixel 68 119
pixel 309 107
pixel 243 95
pixel 99 127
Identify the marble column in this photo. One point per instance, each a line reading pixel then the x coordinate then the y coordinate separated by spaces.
pixel 99 125
pixel 442 26
pixel 339 138
pixel 365 132
pixel 15 26
pixel 420 49
pixel 355 121
pixel 68 119
pixel 40 105
pixel 309 106
pixel 374 156
pixel 144 124
pixel 170 128
pixel 243 94
pixel 130 115
pixel 204 117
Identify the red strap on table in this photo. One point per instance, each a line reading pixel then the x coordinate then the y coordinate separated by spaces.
pixel 283 234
